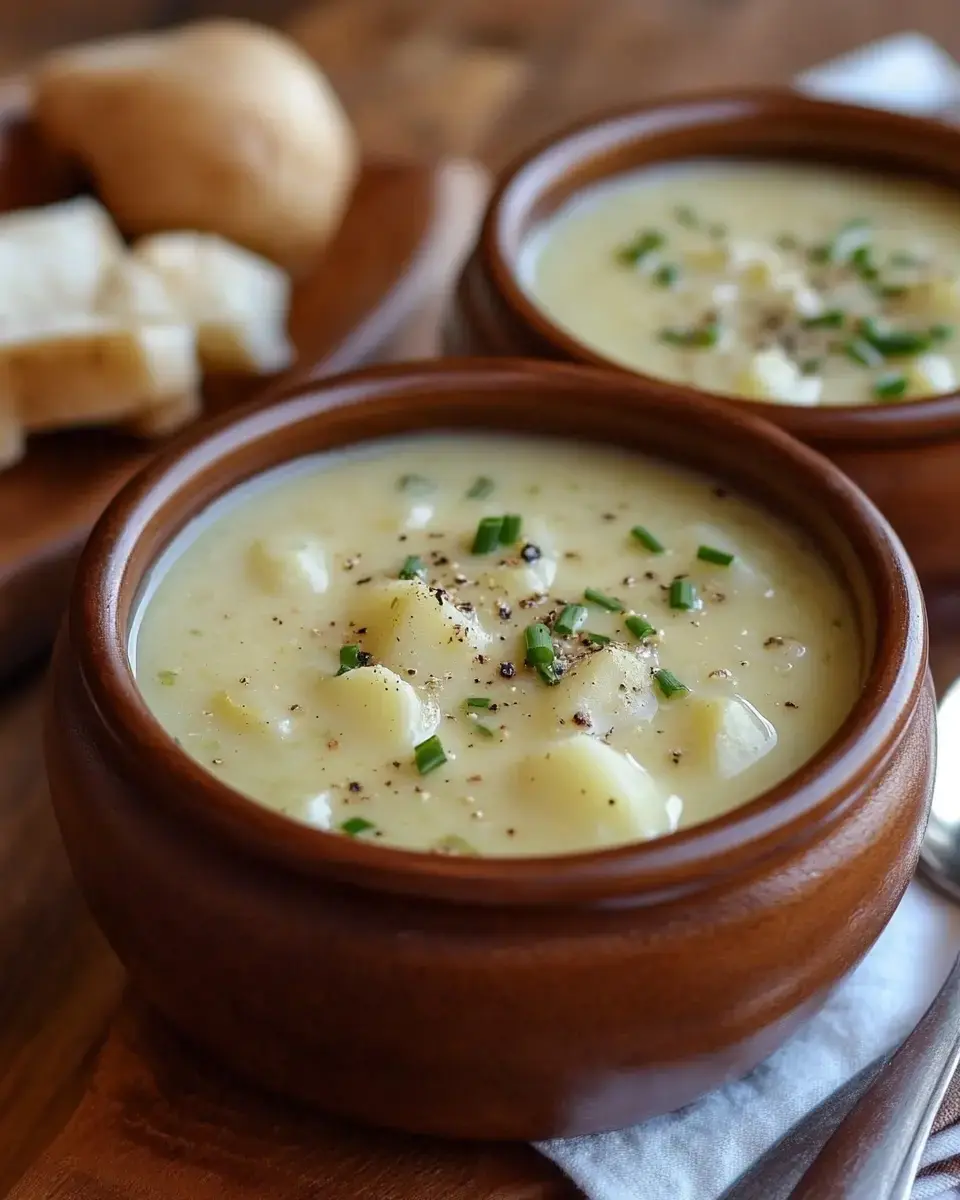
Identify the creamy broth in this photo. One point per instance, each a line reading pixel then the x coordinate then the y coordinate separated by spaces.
pixel 281 647
pixel 788 283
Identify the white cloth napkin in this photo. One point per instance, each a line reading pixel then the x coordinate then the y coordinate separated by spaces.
pixel 696 1153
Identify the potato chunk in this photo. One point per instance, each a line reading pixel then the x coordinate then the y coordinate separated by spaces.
pixel 730 733
pixel 371 706
pixel 413 628
pixel 586 793
pixel 289 562
pixel 771 375
pixel 930 375
pixel 609 688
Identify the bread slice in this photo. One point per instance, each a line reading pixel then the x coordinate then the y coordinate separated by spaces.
pixel 95 371
pixel 237 301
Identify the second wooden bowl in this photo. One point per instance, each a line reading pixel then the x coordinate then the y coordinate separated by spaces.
pixel 485 998
pixel 905 456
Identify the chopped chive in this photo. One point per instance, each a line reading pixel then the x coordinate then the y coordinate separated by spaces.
pixel 478 702
pixel 862 262
pixel 903 258
pixel 853 237
pixel 819 254
pixel 718 230
pixel 481 487
pixel 683 594
pixel 684 215
pixel 356 825
pixel 167 678
pixel 941 332
pixel 418 485
pixel 487 537
pixel 413 568
pixel 646 539
pixel 831 318
pixel 453 843
pixel 482 729
pixel 893 342
pixel 890 386
pixel 890 291
pixel 351 657
pixel 570 621
pixel 696 337
pixel 548 673
pixel 640 627
pixel 669 684
pixel 667 275
pixel 642 246
pixel 787 241
pixel 429 755
pixel 811 366
pixel 510 529
pixel 539 644
pixel 598 639
pixel 610 603
pixel 711 554
pixel 862 352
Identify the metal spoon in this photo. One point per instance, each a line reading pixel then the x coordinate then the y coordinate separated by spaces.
pixel 866 1140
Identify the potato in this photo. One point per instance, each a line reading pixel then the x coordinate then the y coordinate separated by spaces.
pixel 90 371
pixel 407 626
pixel 610 688
pixel 221 126
pixel 373 706
pixel 53 260
pixel 594 794
pixel 287 563
pixel 729 733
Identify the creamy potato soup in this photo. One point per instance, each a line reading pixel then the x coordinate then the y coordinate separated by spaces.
pixel 789 283
pixel 494 645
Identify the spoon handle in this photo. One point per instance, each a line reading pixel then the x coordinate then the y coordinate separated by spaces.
pixel 875 1152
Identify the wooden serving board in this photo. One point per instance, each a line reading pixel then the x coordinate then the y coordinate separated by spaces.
pixel 407 227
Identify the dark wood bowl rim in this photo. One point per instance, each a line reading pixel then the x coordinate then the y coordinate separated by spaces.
pixel 526 180
pixel 162 776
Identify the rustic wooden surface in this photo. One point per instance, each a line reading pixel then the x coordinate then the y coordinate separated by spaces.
pixel 422 77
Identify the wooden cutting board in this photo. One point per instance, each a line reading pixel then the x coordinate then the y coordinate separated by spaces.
pixel 407 225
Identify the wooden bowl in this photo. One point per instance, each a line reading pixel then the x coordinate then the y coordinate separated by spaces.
pixel 486 998
pixel 905 456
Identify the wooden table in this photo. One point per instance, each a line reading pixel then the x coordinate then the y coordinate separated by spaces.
pixel 472 77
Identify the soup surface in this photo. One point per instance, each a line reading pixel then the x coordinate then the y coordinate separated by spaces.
pixel 495 645
pixel 789 283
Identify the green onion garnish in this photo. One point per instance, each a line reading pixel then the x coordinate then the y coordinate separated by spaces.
pixel 640 627
pixel 669 684
pixel 853 237
pixel 481 487
pixel 711 554
pixel 667 275
pixel 642 246
pixel 478 702
pixel 487 537
pixel 890 291
pixel 903 258
pixel 548 673
pixel 696 337
pixel 570 621
pixel 429 755
pixel 539 644
pixel 598 639
pixel 683 594
pixel 413 568
pixel 485 730
pixel 684 215
pixel 893 342
pixel 453 843
pixel 646 538
pixel 862 262
pixel 419 485
pixel 167 678
pixel 831 318
pixel 350 658
pixel 356 825
pixel 862 352
pixel 890 386
pixel 610 603
pixel 819 254
pixel 941 332
pixel 811 366
pixel 510 529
